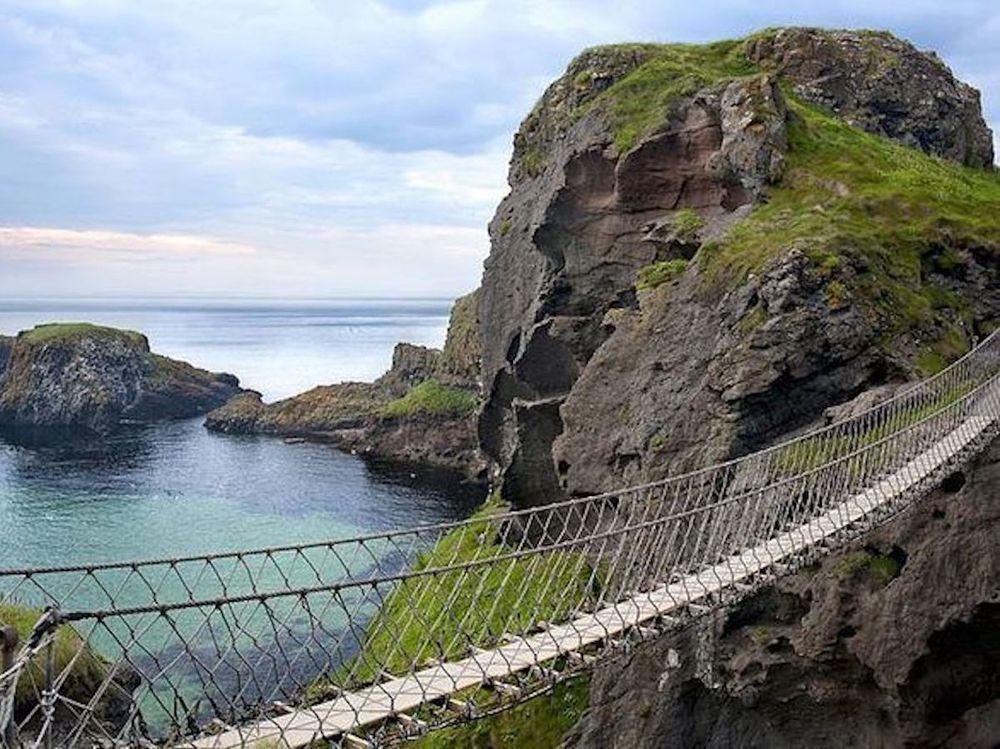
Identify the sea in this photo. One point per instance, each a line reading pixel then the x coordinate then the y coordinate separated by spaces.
pixel 173 488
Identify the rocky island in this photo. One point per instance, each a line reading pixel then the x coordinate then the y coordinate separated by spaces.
pixel 77 376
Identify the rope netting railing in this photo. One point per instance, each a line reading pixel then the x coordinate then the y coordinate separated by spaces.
pixel 368 640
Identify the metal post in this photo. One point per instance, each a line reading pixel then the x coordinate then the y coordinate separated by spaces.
pixel 49 694
pixel 8 647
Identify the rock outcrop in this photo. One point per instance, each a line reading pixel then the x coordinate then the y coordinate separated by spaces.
pixel 894 641
pixel 882 84
pixel 684 270
pixel 420 411
pixel 87 377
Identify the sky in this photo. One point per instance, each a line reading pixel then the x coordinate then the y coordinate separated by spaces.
pixel 319 148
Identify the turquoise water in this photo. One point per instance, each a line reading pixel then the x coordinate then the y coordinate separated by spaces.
pixel 176 489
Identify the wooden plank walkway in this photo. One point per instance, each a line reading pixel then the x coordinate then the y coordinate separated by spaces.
pixel 371 705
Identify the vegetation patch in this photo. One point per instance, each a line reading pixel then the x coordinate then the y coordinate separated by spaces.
pixel 430 617
pixel 880 569
pixel 540 723
pixel 686 223
pixel 812 453
pixel 648 96
pixel 87 671
pixel 431 397
pixel 63 331
pixel 533 162
pixel 657 274
pixel 849 197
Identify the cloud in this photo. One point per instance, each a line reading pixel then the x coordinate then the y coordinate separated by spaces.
pixel 90 246
pixel 358 147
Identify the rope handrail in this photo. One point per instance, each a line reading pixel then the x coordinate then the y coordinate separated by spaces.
pixel 389 633
pixel 906 390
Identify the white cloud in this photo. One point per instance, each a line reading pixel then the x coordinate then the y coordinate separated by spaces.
pixel 94 246
pixel 317 145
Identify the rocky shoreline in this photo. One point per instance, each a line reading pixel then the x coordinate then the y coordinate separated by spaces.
pixel 422 410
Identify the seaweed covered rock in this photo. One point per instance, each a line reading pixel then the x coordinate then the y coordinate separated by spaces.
pixel 81 376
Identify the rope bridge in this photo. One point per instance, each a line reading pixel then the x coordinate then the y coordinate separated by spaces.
pixel 369 640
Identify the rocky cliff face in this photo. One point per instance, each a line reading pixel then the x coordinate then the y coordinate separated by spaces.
pixel 690 263
pixel 895 641
pixel 420 411
pixel 79 376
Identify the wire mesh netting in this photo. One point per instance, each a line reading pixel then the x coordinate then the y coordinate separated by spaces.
pixel 375 638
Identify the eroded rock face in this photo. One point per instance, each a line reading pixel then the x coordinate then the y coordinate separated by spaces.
pixel 6 346
pixel 884 85
pixel 893 642
pixel 568 242
pixel 93 378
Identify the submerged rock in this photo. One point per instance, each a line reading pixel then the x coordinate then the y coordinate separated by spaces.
pixel 87 377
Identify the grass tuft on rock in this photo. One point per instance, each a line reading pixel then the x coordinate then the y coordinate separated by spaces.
pixel 657 274
pixel 70 331
pixel 433 398
pixel 646 98
pixel 852 198
pixel 540 723
pixel 87 672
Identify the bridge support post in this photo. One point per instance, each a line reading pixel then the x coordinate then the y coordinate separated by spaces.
pixel 8 649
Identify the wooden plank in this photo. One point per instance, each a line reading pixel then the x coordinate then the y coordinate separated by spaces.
pixel 390 698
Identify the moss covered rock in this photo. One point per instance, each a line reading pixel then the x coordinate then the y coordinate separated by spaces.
pixel 422 410
pixel 80 376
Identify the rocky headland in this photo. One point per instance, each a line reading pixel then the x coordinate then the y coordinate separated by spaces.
pixel 706 246
pixel 422 410
pixel 82 377
pixel 705 249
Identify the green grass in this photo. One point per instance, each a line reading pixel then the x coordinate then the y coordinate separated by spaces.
pixel 686 223
pixel 62 331
pixel 810 454
pixel 657 274
pixel 419 620
pixel 881 569
pixel 647 97
pixel 851 198
pixel 431 397
pixel 87 672
pixel 539 723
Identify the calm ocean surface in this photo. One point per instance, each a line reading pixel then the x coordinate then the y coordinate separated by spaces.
pixel 174 488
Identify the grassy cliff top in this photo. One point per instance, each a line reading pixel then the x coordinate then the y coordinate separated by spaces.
pixel 72 331
pixel 636 87
pixel 900 220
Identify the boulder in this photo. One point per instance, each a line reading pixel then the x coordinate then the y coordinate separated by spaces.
pixel 882 84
